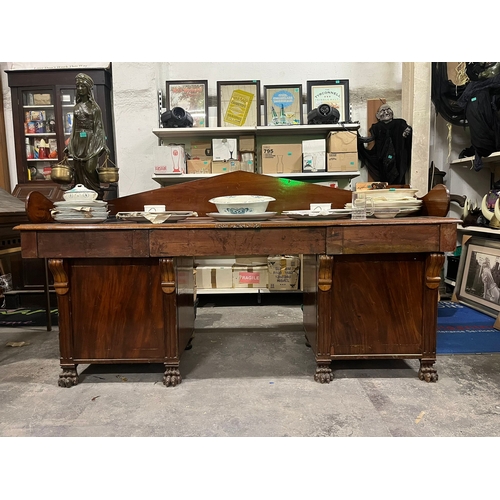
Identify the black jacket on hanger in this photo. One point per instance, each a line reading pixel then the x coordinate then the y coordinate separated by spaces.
pixel 390 157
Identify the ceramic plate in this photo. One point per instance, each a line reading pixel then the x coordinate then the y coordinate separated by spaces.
pixel 92 220
pixel 87 203
pixel 337 213
pixel 385 215
pixel 394 204
pixel 173 216
pixel 241 217
pixel 407 211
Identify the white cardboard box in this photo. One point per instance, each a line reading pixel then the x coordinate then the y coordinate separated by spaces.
pixel 170 159
pixel 314 155
pixel 214 277
pixel 224 149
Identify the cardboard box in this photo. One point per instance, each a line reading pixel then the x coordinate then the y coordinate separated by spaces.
pixel 342 162
pixel 201 148
pixel 215 261
pixel 281 158
pixel 314 155
pixel 214 277
pixel 283 272
pixel 342 142
pixel 199 166
pixel 170 159
pixel 249 276
pixel 247 143
pixel 224 149
pixel 222 167
pixel 251 260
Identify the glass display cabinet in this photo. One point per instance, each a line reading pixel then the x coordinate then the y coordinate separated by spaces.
pixel 42 109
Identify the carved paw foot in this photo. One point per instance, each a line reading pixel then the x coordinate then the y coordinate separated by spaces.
pixel 68 377
pixel 427 372
pixel 172 377
pixel 323 375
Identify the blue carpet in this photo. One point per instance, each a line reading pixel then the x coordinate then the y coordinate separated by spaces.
pixel 463 330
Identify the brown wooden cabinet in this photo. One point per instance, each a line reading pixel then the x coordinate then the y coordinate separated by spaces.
pixel 42 109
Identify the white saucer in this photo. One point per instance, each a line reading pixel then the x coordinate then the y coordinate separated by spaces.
pixel 241 217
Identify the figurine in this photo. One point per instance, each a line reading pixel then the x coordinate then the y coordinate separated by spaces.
pixel 390 158
pixel 88 140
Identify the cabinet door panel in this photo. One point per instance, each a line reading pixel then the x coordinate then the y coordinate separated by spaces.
pixel 384 322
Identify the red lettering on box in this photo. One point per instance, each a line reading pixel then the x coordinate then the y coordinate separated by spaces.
pixel 246 277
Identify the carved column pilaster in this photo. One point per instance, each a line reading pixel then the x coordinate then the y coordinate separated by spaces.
pixel 68 376
pixel 433 267
pixel 172 375
pixel 324 372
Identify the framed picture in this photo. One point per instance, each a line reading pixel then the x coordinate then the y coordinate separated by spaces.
pixel 478 277
pixel 190 95
pixel 332 92
pixel 283 105
pixel 238 103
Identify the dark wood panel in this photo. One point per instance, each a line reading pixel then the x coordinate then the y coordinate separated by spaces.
pixel 366 239
pixel 377 304
pixel 448 240
pixel 257 240
pixel 185 301
pixel 116 308
pixel 93 243
pixel 309 294
pixel 194 195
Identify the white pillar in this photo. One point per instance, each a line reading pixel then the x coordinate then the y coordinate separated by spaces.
pixel 416 110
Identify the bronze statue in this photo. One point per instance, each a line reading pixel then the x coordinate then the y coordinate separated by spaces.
pixel 88 140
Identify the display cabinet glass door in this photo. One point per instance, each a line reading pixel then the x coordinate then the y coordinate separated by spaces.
pixel 40 133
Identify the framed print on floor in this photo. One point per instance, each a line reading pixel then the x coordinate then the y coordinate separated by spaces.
pixel 190 95
pixel 478 276
pixel 238 103
pixel 283 105
pixel 332 92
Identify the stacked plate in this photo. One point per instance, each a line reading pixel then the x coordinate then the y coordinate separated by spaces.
pixel 80 212
pixel 393 202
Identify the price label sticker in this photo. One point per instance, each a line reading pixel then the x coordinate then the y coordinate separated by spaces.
pixel 83 134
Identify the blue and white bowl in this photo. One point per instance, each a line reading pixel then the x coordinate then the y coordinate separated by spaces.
pixel 242 204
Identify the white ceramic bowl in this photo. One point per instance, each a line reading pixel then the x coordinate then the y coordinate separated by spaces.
pixel 242 203
pixel 386 213
pixel 80 193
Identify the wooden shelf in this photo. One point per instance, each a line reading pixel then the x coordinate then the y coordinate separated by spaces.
pixel 218 291
pixel 479 230
pixel 260 130
pixel 493 160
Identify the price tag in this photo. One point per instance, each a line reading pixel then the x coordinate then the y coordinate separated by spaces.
pixel 83 134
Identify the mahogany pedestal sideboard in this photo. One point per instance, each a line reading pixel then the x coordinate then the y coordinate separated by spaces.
pixel 125 289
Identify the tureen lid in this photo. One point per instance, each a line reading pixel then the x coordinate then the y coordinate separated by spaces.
pixel 80 188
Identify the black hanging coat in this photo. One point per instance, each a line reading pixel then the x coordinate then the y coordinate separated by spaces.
pixel 390 157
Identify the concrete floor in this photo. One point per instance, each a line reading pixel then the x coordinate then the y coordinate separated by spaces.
pixel 249 373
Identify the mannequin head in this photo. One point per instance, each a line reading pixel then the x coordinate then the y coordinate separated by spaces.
pixel 385 113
